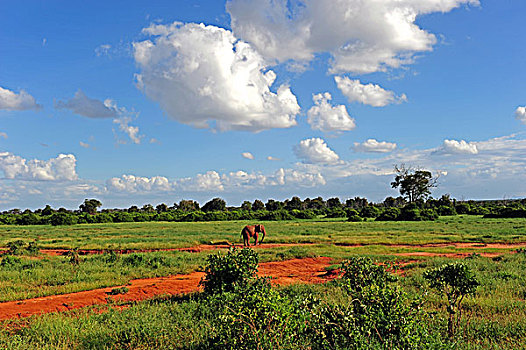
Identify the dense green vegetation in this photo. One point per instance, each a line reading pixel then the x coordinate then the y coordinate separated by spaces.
pixel 354 209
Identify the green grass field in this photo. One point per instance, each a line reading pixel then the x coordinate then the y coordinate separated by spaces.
pixel 182 234
pixel 495 317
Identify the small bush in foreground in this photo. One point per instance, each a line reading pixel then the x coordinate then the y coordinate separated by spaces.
pixel 457 281
pixel 225 272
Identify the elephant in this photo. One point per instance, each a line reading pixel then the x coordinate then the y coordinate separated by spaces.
pixel 252 231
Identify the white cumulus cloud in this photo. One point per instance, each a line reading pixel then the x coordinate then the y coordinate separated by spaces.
pixel 315 150
pixel 60 168
pixel 205 77
pixel 134 184
pixel 247 155
pixel 11 101
pixel 328 118
pixel 361 36
pixel 458 147
pixel 368 94
pixel 210 181
pixel 520 114
pixel 373 146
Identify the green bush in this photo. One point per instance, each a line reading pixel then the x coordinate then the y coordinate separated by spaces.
pixel 369 212
pixel 446 210
pixel 122 216
pixel 59 219
pixel 410 214
pixel 16 247
pixel 225 272
pixel 456 280
pixel 278 215
pixel 360 272
pixel 428 214
pixel 355 218
pixel 336 213
pixel 389 214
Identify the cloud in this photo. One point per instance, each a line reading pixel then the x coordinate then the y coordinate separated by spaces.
pixel 370 94
pixel 92 108
pixel 210 181
pixel 131 131
pixel 247 155
pixel 84 144
pixel 520 114
pixel 273 158
pixel 361 36
pixel 373 146
pixel 102 50
pixel 205 77
pixel 136 184
pixel 328 118
pixel 87 107
pixel 60 168
pixel 3 135
pixel 458 147
pixel 11 101
pixel 315 150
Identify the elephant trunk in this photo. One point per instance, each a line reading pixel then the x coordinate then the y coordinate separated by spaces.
pixel 264 233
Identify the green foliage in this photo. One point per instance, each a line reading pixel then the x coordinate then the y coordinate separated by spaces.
pixel 16 247
pixel 336 213
pixel 137 260
pixel 58 219
pixel 456 280
pixel 304 214
pixel 117 291
pixel 413 184
pixel 369 212
pixel 73 255
pixel 122 216
pixel 446 210
pixel 216 204
pixel 28 219
pixel 278 215
pixel 389 214
pixel 225 272
pixel 10 261
pixel 360 272
pixel 90 206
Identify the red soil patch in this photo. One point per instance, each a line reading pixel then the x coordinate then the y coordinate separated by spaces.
pixel 196 249
pixel 206 247
pixel 309 270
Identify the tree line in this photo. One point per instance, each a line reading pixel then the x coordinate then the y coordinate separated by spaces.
pixel 414 204
pixel 354 209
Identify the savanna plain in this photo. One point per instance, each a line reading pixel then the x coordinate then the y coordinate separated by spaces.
pixel 374 290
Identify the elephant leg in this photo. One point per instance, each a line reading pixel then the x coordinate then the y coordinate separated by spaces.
pixel 256 238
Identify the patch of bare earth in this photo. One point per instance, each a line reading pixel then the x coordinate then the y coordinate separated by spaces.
pixel 309 270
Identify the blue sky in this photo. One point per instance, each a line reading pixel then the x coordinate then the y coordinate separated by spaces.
pixel 135 102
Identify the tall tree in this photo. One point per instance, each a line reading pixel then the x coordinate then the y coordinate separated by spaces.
pixel 413 184
pixel 215 204
pixel 246 205
pixel 258 205
pixel 90 206
pixel 188 205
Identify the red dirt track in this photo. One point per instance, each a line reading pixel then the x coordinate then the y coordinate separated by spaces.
pixel 309 270
pixel 206 247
